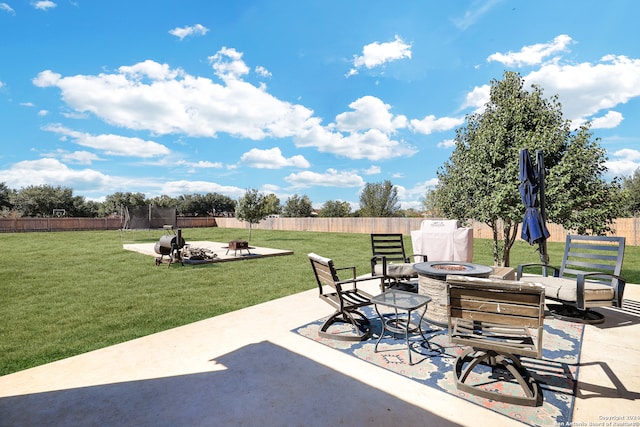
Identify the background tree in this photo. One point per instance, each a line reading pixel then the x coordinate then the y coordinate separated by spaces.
pixel 297 207
pixel 6 197
pixel 379 199
pixel 272 204
pixel 114 203
pixel 631 186
pixel 251 208
pixel 335 209
pixel 480 180
pixel 430 206
pixel 41 200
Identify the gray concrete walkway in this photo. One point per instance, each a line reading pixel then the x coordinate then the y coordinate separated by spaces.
pixel 246 368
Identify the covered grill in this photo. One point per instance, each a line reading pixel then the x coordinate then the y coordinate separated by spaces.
pixel 170 245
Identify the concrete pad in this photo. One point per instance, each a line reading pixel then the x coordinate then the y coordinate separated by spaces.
pixel 248 368
pixel 222 253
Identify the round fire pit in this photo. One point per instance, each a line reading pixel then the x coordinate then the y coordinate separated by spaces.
pixel 431 282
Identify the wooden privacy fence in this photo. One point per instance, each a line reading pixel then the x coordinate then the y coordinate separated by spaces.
pixel 626 227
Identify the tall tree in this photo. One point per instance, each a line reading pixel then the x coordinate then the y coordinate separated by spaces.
pixel 335 209
pixel 114 203
pixel 251 208
pixel 632 194
pixel 297 207
pixel 272 204
pixel 379 199
pixel 480 180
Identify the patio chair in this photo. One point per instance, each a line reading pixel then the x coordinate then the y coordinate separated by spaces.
pixel 495 319
pixel 390 262
pixel 588 277
pixel 344 296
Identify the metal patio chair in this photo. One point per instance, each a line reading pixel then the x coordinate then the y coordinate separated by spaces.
pixel 391 263
pixel 344 296
pixel 588 277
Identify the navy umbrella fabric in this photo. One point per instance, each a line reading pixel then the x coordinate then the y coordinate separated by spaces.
pixel 534 229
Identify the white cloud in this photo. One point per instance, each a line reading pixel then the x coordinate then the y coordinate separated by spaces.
pixel 8 9
pixel 373 170
pixel 152 96
pixel 80 157
pixel 369 113
pixel 478 97
pixel 50 171
pixel 377 54
pixel 625 162
pixel 261 71
pixel 272 159
pixel 44 4
pixel 115 145
pixel 534 54
pixel 447 143
pixel 609 120
pixel 43 113
pixel 430 124
pixel 585 89
pixel 372 145
pixel 332 178
pixel 202 164
pixel 194 30
pixel 473 14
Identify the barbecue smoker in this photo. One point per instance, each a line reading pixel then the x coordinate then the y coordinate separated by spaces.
pixel 170 245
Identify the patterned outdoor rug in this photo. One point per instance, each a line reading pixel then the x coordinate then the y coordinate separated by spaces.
pixel 556 372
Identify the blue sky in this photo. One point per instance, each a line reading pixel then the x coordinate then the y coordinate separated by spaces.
pixel 314 97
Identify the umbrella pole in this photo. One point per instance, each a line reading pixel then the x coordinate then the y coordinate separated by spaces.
pixel 544 256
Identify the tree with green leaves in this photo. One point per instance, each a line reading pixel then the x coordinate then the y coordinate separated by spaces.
pixel 272 204
pixel 114 203
pixel 631 186
pixel 335 209
pixel 251 208
pixel 480 180
pixel 297 207
pixel 379 199
pixel 41 200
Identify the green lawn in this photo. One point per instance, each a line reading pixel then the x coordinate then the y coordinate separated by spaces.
pixel 71 292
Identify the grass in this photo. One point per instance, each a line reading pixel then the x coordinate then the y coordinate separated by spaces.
pixel 67 293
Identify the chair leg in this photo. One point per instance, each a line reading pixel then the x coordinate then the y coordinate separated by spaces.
pixel 361 326
pixel 530 388
pixel 570 313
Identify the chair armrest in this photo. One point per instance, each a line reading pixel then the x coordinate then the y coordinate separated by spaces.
pixel 353 271
pixel 424 257
pixel 374 260
pixel 522 267
pixel 618 290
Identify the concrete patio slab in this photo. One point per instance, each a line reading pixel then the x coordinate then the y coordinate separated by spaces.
pixel 247 368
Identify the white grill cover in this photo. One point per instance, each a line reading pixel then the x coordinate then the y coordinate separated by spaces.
pixel 443 241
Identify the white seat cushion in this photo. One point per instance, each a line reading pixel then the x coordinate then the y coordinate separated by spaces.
pixel 396 270
pixel 567 289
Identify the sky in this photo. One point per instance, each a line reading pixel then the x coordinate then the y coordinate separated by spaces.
pixel 314 97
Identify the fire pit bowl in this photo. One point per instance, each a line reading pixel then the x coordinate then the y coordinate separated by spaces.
pixel 440 269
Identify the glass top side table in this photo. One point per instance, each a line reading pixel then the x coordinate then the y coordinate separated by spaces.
pixel 403 303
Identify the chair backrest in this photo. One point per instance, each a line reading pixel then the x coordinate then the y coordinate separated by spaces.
pixel 390 246
pixel 325 272
pixel 603 254
pixel 495 306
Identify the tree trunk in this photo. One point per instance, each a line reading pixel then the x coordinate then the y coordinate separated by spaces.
pixel 510 231
pixel 496 247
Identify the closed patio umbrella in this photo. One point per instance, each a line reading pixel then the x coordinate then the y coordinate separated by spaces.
pixel 534 229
